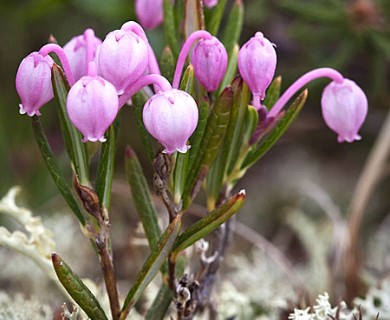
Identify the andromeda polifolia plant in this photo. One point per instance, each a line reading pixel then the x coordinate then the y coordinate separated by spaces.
pixel 201 129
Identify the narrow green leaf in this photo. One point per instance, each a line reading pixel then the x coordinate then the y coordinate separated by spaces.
pixel 55 172
pixel 217 124
pixel 235 132
pixel 197 136
pixel 167 64
pixel 160 305
pixel 232 143
pixel 273 93
pixel 214 180
pixel 251 122
pixel 258 151
pixel 77 150
pixel 170 27
pixel 179 13
pixel 179 176
pixel 142 198
pixel 180 170
pixel 249 129
pixel 231 70
pixel 187 82
pixel 193 17
pixel 209 223
pixel 217 17
pixel 139 100
pixel 233 28
pixel 77 289
pixel 152 266
pixel 105 169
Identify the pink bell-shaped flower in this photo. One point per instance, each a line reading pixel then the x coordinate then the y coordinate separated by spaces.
pixel 210 3
pixel 257 64
pixel 210 62
pixel 76 52
pixel 149 13
pixel 171 117
pixel 33 83
pixel 344 108
pixel 92 106
pixel 123 58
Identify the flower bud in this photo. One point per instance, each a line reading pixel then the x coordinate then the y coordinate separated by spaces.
pixel 123 58
pixel 92 106
pixel 210 62
pixel 344 108
pixel 33 83
pixel 257 64
pixel 210 3
pixel 171 117
pixel 149 13
pixel 76 52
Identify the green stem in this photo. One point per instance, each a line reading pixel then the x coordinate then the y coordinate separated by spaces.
pixel 217 17
pixel 77 150
pixel 107 266
pixel 55 172
pixel 105 170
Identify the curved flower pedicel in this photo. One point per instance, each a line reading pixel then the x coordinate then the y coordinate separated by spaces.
pixel 196 35
pixel 171 117
pixel 81 50
pixel 257 63
pixel 210 62
pixel 123 58
pixel 344 104
pixel 92 105
pixel 33 83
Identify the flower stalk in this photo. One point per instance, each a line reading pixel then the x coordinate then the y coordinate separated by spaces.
pixel 200 34
pixel 151 79
pixel 300 83
pixel 55 48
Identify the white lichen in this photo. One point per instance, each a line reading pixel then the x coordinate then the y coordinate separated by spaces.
pixel 16 307
pixel 323 310
pixel 36 242
pixel 376 302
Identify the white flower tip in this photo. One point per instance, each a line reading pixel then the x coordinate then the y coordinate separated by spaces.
pixel 168 151
pixel 21 110
pixel 93 139
pixel 182 149
pixel 342 139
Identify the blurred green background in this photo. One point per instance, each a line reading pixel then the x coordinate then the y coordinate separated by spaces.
pixel 352 36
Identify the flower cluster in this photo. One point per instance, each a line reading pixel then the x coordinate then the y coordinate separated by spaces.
pixel 103 76
pixel 240 117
